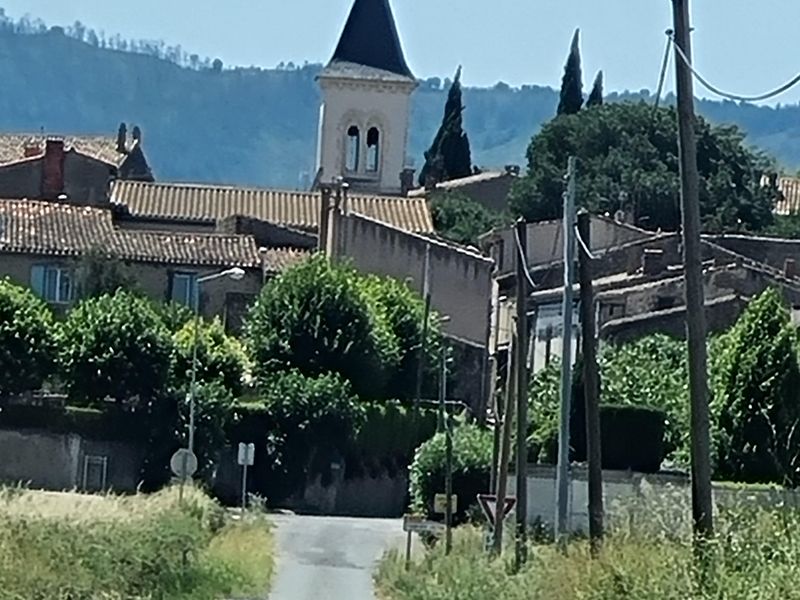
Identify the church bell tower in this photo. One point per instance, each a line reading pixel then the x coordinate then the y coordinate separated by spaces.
pixel 366 91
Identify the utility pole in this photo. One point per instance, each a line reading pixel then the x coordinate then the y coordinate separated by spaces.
pixel 521 551
pixel 693 274
pixel 591 383
pixel 505 452
pixel 562 473
pixel 448 433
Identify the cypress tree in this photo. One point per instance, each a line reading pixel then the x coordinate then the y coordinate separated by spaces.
pixel 596 97
pixel 572 84
pixel 449 156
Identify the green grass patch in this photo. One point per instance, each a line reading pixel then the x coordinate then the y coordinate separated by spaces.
pixel 756 556
pixel 81 547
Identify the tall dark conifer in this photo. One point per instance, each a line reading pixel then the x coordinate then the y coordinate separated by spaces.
pixel 596 97
pixel 449 156
pixel 572 84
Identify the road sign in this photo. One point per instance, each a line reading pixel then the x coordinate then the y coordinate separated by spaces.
pixel 183 463
pixel 418 524
pixel 247 454
pixel 440 503
pixel 488 504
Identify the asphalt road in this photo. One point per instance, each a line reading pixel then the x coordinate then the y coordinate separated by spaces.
pixel 330 558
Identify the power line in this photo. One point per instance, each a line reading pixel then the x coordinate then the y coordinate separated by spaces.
pixel 715 90
pixel 583 244
pixel 664 65
pixel 524 259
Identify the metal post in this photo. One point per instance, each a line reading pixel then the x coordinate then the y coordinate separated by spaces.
pixel 448 433
pixel 521 552
pixel 426 315
pixel 244 488
pixel 562 475
pixel 408 551
pixel 695 303
pixel 193 384
pixel 591 384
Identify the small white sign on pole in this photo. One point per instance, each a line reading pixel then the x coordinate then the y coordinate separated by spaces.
pixel 247 454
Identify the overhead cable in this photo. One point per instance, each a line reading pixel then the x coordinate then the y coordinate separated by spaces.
pixel 524 259
pixel 736 97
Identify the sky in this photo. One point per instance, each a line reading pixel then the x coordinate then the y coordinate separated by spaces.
pixel 738 47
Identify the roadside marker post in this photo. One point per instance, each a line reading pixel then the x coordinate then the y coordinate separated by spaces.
pixel 418 524
pixel 247 455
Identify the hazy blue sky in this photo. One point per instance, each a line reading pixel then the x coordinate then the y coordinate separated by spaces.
pixel 743 45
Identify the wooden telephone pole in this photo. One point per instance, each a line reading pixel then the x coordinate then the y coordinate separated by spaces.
pixel 521 547
pixel 693 274
pixel 591 383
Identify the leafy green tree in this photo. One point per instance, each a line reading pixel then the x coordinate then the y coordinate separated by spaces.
pixel 459 218
pixel 403 311
pixel 596 97
pixel 628 159
pixel 449 156
pixel 115 347
pixel 316 318
pixel 313 420
pixel 220 357
pixel 571 98
pixel 759 392
pixel 27 341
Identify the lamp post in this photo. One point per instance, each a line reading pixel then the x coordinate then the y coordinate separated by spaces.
pixel 236 274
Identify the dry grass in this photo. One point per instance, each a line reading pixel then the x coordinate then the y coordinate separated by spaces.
pixel 756 556
pixel 82 547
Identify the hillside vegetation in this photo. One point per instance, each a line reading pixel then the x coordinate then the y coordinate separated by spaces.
pixel 258 126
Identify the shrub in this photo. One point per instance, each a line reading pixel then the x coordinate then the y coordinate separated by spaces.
pixel 472 460
pixel 220 357
pixel 115 347
pixel 315 318
pixel 311 422
pixel 27 341
pixel 759 396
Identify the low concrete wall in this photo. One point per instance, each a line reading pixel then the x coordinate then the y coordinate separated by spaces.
pixel 659 502
pixel 53 461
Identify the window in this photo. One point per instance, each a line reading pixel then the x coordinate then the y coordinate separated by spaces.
pixel 184 289
pixel 53 283
pixel 373 150
pixel 353 148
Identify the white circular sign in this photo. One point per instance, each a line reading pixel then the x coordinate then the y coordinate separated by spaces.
pixel 183 463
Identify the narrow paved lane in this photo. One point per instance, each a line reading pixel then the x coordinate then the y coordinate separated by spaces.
pixel 330 558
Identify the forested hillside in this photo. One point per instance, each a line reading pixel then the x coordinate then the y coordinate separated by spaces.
pixel 203 121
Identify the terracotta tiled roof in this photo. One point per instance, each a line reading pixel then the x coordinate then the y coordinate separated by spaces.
pixel 103 148
pixel 207 203
pixel 49 228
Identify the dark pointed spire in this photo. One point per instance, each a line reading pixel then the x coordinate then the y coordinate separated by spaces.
pixel 370 39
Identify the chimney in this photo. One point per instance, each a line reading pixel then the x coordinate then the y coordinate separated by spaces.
pixel 32 148
pixel 53 169
pixel 406 181
pixel 653 261
pixel 324 217
pixel 790 268
pixel 512 170
pixel 122 139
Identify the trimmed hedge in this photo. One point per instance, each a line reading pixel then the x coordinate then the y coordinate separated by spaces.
pixel 632 437
pixel 91 423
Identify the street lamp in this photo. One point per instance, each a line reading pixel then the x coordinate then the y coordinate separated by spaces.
pixel 236 274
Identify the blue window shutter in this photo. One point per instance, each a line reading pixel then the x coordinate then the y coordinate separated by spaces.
pixel 37 280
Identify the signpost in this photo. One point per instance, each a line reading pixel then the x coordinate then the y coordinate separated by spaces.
pixel 488 503
pixel 440 503
pixel 247 456
pixel 183 464
pixel 418 524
